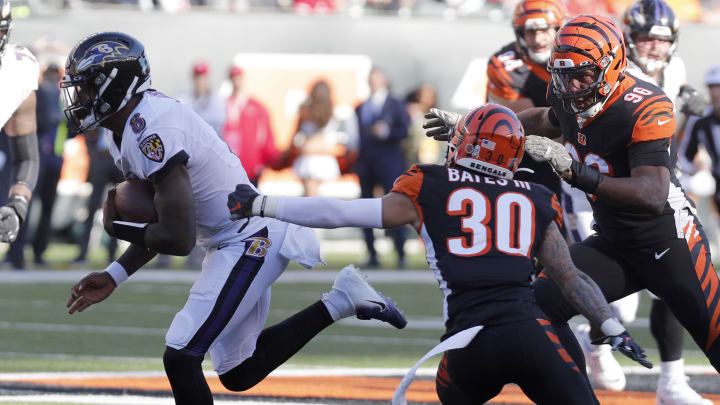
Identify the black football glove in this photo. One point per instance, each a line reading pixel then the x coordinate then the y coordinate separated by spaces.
pixel 441 123
pixel 240 201
pixel 627 346
pixel 693 102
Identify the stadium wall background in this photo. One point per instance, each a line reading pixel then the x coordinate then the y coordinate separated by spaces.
pixel 411 51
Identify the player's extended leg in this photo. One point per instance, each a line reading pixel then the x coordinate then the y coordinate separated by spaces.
pixel 350 295
pixel 599 260
pixel 233 289
pixel 681 273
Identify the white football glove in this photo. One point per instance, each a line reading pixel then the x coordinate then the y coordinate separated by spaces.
pixel 543 149
pixel 9 224
pixel 441 123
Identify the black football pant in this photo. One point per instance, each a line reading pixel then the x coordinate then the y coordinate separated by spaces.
pixel 679 271
pixel 527 353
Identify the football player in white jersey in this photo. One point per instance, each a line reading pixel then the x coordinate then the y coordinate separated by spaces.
pixel 19 71
pixel 651 34
pixel 154 137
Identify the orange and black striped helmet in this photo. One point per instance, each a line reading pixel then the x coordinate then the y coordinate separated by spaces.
pixel 489 140
pixel 537 15
pixel 587 63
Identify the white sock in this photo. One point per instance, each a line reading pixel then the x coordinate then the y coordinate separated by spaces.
pixel 672 369
pixel 338 304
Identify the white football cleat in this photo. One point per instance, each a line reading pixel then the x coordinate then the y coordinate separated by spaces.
pixel 366 301
pixel 676 391
pixel 605 371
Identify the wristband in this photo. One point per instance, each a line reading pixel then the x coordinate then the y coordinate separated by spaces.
pixel 584 177
pixel 612 327
pixel 117 272
pixel 264 206
pixel 133 232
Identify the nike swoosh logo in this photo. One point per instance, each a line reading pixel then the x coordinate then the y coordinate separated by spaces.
pixel 236 207
pixel 664 122
pixel 222 246
pixel 658 256
pixel 382 304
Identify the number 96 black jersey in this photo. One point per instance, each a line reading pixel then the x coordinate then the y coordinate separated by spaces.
pixel 634 128
pixel 480 235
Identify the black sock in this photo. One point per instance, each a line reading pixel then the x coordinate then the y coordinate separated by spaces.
pixel 186 378
pixel 276 345
pixel 667 331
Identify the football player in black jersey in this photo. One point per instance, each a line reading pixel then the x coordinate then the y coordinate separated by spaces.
pixel 481 230
pixel 518 76
pixel 616 131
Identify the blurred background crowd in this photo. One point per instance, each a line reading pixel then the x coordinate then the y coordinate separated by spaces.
pixel 316 122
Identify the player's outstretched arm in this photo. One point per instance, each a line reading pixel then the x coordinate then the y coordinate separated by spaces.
pixel 582 292
pixel 22 138
pixel 391 211
pixel 538 121
pixel 577 287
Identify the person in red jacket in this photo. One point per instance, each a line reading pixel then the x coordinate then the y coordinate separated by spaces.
pixel 247 129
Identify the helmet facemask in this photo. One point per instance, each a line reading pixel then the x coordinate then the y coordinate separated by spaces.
pixel 565 77
pixel 88 100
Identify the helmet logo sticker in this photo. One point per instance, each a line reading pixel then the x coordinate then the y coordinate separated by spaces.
pixel 101 53
pixel 152 147
pixel 488 144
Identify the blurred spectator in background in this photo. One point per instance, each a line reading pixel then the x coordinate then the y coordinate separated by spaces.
pixel 306 7
pixel 383 125
pixel 419 149
pixel 202 99
pixel 321 139
pixel 102 173
pixel 51 137
pixel 703 131
pixel 247 129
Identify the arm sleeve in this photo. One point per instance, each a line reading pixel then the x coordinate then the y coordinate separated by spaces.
pixel 316 212
pixel 650 153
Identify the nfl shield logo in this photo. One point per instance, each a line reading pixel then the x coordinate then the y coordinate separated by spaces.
pixel 581 139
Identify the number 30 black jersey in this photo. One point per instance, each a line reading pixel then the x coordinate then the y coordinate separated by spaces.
pixel 480 236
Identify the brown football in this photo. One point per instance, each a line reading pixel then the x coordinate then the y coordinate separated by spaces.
pixel 134 201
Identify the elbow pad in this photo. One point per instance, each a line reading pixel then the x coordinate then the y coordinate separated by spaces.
pixel 25 159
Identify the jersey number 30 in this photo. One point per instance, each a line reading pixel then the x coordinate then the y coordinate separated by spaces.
pixel 514 223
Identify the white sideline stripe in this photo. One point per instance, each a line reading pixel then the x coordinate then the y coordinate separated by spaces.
pixel 188 276
pixel 116 400
pixel 303 371
pixel 138 331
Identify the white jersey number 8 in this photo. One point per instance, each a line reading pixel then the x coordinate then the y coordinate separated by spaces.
pixel 514 223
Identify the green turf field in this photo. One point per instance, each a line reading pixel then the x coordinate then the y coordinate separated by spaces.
pixel 126 332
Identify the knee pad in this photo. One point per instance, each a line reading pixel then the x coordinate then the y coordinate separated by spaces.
pixel 179 361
